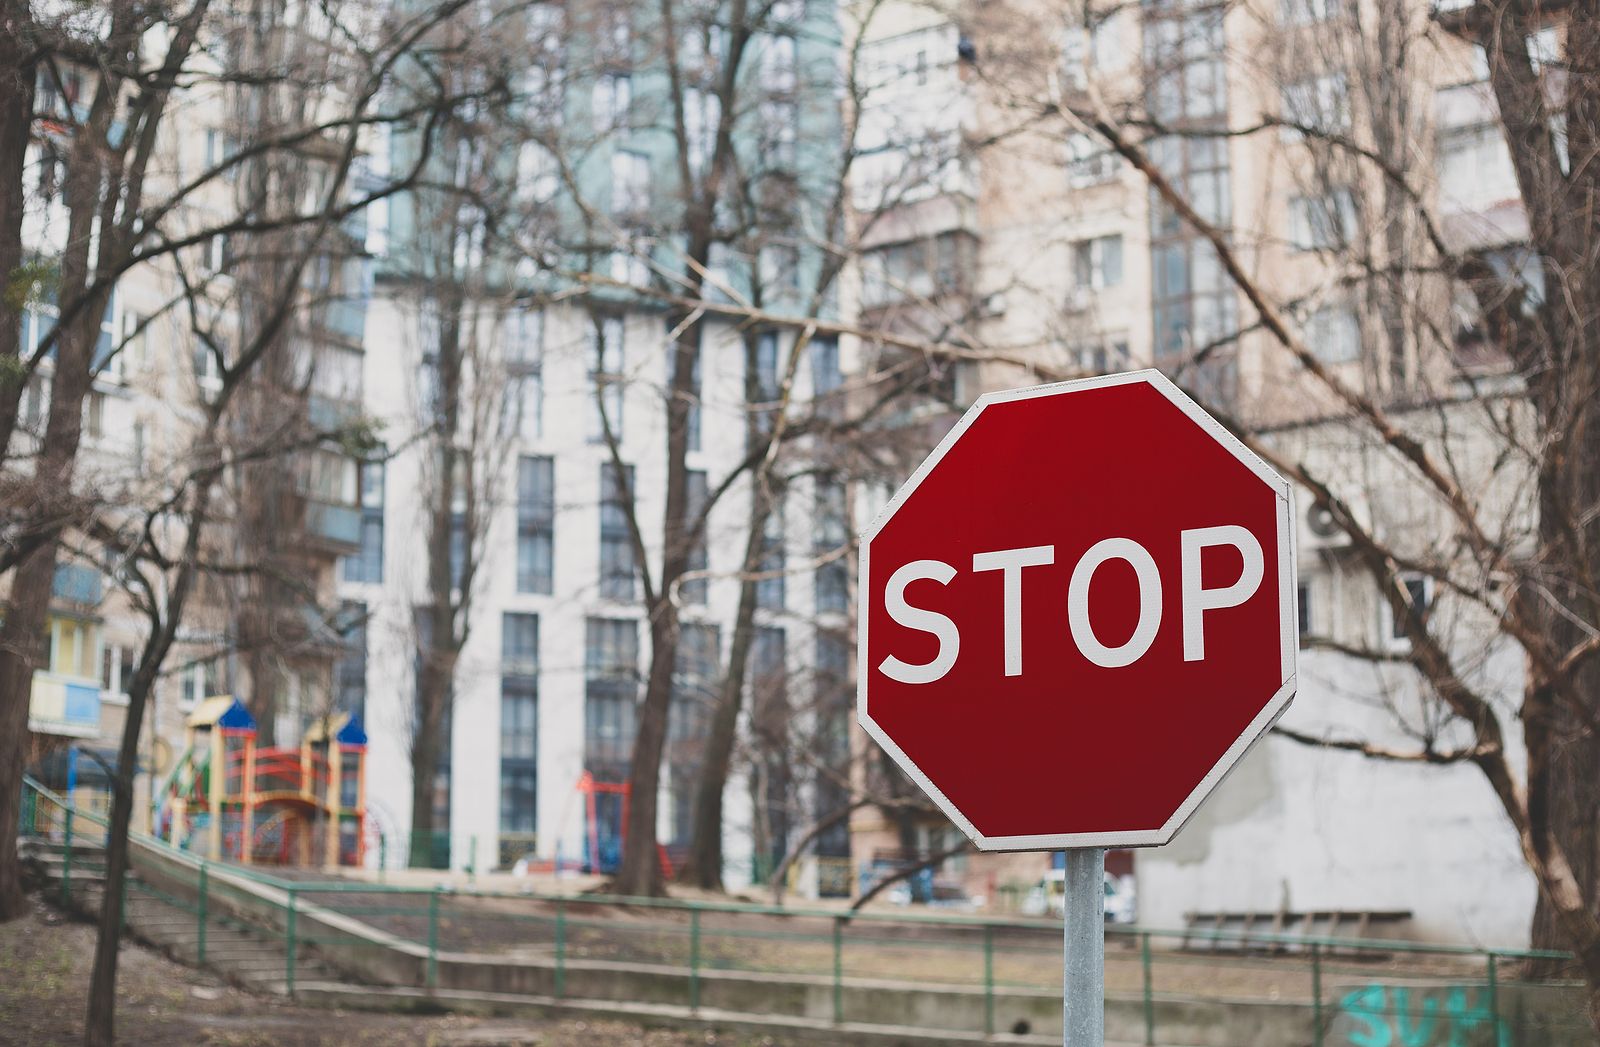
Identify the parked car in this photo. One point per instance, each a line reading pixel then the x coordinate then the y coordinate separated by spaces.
pixel 1048 897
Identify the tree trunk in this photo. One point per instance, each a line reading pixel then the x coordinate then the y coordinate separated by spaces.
pixel 703 868
pixel 100 1025
pixel 18 69
pixel 640 872
pixel 19 655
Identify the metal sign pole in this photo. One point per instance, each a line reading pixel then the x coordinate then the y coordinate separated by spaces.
pixel 1083 1004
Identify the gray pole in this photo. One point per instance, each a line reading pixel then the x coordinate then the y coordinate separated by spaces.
pixel 1083 1006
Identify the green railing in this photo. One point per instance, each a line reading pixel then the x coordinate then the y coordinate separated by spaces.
pixel 1327 990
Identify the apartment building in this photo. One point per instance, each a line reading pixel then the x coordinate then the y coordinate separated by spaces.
pixel 546 690
pixel 171 325
pixel 1057 256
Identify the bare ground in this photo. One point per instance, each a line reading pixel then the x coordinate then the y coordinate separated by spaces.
pixel 44 985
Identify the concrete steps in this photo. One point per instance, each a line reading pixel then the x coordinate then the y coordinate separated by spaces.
pixel 248 956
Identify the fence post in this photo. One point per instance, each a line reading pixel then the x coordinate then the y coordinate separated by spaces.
pixel 1494 997
pixel 66 863
pixel 988 978
pixel 472 858
pixel 561 946
pixel 288 973
pixel 200 931
pixel 838 970
pixel 694 959
pixel 1316 994
pixel 383 858
pixel 433 940
pixel 1149 990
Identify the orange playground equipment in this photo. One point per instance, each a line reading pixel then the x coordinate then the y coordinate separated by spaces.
pixel 305 805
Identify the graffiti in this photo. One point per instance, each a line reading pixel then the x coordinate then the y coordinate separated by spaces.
pixel 1419 1016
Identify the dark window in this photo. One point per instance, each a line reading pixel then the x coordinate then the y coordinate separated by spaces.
pixel 694 589
pixel 694 695
pixel 519 722
pixel 366 565
pixel 536 513
pixel 834 690
pixel 832 538
pixel 770 588
pixel 617 570
pixel 766 383
pixel 825 374
pixel 1419 594
pixel 611 687
pixel 350 672
pixel 1194 303
pixel 605 377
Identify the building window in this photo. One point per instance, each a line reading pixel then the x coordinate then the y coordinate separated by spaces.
pixel 1307 12
pixel 366 565
pixel 702 112
pixel 519 723
pixel 833 534
pixel 630 183
pixel 199 680
pixel 765 389
pixel 834 690
pixel 1334 334
pixel 1324 222
pixel 606 379
pixel 611 688
pixel 525 372
pixel 536 513
pixel 1419 594
pixel 116 668
pixel 770 586
pixel 1089 162
pixel 613 99
pixel 617 569
pixel 694 694
pixel 350 670
pixel 779 65
pixel 694 590
pixel 1303 611
pixel 1319 104
pixel 825 374
pixel 1097 263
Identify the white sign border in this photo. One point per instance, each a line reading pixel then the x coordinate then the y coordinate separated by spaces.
pixel 1287 612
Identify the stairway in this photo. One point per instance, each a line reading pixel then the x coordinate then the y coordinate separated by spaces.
pixel 251 957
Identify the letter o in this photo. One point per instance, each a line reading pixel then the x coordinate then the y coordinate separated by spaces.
pixel 1144 634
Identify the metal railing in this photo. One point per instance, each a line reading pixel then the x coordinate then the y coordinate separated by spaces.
pixel 1006 973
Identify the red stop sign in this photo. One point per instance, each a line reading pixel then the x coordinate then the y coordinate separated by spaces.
pixel 1078 614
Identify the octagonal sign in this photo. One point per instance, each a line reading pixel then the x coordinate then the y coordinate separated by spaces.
pixel 1078 614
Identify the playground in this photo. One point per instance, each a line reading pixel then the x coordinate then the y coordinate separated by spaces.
pixel 227 799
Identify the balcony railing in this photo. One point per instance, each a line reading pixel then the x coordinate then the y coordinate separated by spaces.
pixel 64 705
pixel 336 524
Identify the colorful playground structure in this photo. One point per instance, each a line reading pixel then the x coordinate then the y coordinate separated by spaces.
pixel 305 805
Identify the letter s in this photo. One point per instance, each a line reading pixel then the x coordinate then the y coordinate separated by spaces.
pixel 894 601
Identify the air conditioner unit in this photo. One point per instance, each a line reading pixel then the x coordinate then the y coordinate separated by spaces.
pixel 1319 530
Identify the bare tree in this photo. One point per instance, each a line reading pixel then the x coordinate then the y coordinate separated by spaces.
pixel 1476 406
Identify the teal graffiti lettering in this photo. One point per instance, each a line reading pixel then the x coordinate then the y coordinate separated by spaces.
pixel 1467 1014
pixel 1366 1006
pixel 1419 1035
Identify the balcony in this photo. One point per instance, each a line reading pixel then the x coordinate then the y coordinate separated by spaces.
pixel 68 706
pixel 337 526
pixel 76 584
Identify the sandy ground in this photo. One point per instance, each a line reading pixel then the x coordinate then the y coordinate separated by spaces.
pixel 44 981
